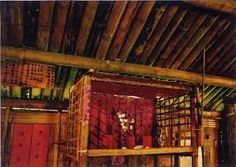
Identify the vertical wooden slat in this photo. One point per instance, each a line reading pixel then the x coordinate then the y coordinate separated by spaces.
pixel 136 29
pixel 4 129
pixel 60 16
pixel 111 27
pixel 181 44
pixel 56 138
pixel 85 27
pixel 123 28
pixel 161 27
pixel 45 20
pixel 194 40
pixel 165 38
pixel 202 43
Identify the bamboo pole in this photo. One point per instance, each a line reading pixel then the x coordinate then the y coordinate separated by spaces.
pixel 226 6
pixel 110 66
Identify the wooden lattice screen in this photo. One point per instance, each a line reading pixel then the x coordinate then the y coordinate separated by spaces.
pixel 174 121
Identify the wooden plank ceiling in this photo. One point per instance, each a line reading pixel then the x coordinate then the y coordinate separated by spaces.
pixel 164 34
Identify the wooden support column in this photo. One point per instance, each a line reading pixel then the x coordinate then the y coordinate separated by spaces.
pixel 111 66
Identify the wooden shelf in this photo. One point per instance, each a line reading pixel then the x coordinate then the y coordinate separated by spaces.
pixel 150 151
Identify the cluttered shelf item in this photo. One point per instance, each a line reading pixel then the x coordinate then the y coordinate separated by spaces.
pixel 111 115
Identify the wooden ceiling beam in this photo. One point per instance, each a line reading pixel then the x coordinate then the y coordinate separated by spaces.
pixel 110 66
pixel 226 6
pixel 111 27
pixel 160 28
pixel 40 104
pixel 185 39
pixel 166 37
pixel 85 27
pixel 194 40
pixel 136 28
pixel 123 29
pixel 220 24
pixel 45 20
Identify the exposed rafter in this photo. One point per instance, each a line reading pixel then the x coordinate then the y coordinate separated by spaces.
pixel 227 6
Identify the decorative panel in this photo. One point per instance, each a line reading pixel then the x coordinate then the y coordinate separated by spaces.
pixel 27 74
pixel 40 145
pixel 21 141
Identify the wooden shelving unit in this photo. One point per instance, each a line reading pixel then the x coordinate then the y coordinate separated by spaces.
pixel 150 151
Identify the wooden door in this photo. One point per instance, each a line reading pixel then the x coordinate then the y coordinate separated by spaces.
pixel 30 145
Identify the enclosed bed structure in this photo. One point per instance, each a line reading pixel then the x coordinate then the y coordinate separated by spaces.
pixel 111 115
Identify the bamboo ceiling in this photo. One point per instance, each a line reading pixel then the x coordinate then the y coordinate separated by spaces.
pixel 164 34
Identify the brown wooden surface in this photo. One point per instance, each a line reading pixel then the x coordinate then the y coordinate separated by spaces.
pixel 165 19
pixel 123 29
pixel 16 23
pixel 226 6
pixel 45 18
pixel 82 62
pixel 203 43
pixel 112 25
pixel 61 11
pixel 185 39
pixel 137 26
pixel 157 50
pixel 150 151
pixel 21 103
pixel 86 25
pixel 148 32
pixel 196 38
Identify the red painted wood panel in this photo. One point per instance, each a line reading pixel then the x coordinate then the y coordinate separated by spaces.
pixel 40 145
pixel 21 141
